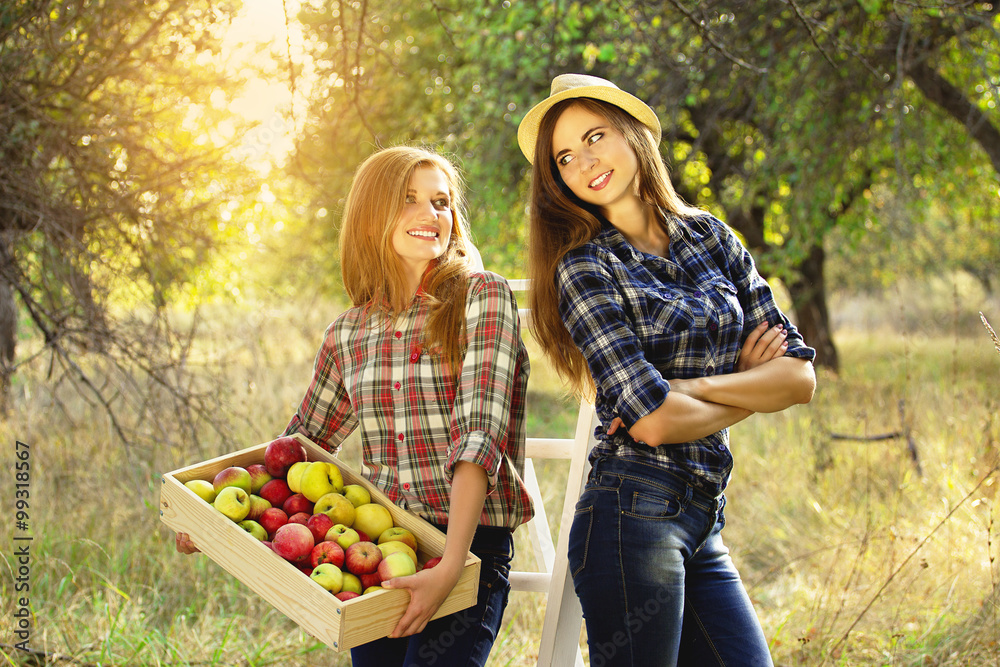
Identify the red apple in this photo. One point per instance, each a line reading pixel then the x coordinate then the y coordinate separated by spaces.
pixel 300 517
pixel 297 503
pixel 232 476
pixel 327 552
pixel 259 476
pixel 369 580
pixel 363 536
pixel 272 519
pixel 432 562
pixel 319 524
pixel 257 507
pixel 293 542
pixel 281 453
pixel 344 596
pixel 275 492
pixel 362 558
pixel 396 564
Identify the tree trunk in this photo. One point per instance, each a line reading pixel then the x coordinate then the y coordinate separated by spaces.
pixel 809 301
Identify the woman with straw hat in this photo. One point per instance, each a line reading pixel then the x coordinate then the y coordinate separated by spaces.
pixel 654 308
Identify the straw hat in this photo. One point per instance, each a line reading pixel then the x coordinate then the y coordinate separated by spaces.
pixel 566 86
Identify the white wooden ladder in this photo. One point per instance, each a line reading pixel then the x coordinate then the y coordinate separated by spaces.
pixel 560 641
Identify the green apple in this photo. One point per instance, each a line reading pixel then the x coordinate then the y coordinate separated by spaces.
pixel 394 546
pixel 399 534
pixel 254 529
pixel 373 519
pixel 233 502
pixel 357 494
pixel 337 507
pixel 320 478
pixel 203 488
pixel 396 564
pixel 295 474
pixel 233 476
pixel 352 583
pixel 329 576
pixel 343 535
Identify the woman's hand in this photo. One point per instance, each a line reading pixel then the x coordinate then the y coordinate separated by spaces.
pixel 428 591
pixel 762 345
pixel 184 544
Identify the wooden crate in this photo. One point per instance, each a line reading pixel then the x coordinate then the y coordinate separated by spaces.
pixel 340 625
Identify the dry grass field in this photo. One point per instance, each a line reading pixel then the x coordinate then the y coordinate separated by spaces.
pixel 854 552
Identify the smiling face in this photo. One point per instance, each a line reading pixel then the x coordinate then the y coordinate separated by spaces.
pixel 593 158
pixel 423 228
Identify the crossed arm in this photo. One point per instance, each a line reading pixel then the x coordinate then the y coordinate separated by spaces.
pixel 764 381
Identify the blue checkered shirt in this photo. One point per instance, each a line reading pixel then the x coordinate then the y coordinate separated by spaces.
pixel 641 320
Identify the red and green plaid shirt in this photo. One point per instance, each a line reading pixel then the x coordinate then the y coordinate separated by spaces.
pixel 416 424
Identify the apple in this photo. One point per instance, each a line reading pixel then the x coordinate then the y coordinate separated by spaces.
pixel 273 519
pixel 232 476
pixel 281 453
pixel 344 596
pixel 320 478
pixel 319 524
pixel 297 503
pixel 394 546
pixel 399 534
pixel 254 529
pixel 259 476
pixel 362 535
pixel 233 502
pixel 275 492
pixel 327 551
pixel 357 494
pixel 372 518
pixel 257 507
pixel 300 517
pixel 351 583
pixel 293 542
pixel 203 489
pixel 328 576
pixel 370 580
pixel 431 562
pixel 335 506
pixel 362 558
pixel 304 568
pixel 373 589
pixel 294 476
pixel 396 564
pixel 343 535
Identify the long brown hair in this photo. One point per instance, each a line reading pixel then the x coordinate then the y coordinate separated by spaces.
pixel 559 222
pixel 372 271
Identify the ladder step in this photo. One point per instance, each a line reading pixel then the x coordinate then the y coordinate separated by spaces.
pixel 534 582
pixel 549 448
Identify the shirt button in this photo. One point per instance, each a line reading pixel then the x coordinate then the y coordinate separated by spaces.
pixel 406 485
pixel 399 334
pixel 414 358
pixel 396 386
pixel 710 370
pixel 722 448
pixel 698 294
pixel 712 326
pixel 400 437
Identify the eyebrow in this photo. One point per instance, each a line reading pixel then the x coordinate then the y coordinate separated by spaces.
pixel 582 139
pixel 439 193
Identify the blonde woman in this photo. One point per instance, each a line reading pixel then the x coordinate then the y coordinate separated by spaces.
pixel 429 364
pixel 654 308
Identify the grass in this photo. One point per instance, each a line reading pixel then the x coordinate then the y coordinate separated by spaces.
pixel 851 555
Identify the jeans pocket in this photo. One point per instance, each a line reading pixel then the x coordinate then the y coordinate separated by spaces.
pixel 579 539
pixel 656 505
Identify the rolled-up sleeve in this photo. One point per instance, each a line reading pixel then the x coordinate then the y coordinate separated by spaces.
pixel 594 312
pixel 483 400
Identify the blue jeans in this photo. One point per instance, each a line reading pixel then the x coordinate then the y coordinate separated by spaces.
pixel 464 638
pixel 655 581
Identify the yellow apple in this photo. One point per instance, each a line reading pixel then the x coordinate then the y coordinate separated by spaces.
pixel 357 494
pixel 329 576
pixel 352 583
pixel 372 589
pixel 394 546
pixel 399 534
pixel 320 478
pixel 337 507
pixel 396 565
pixel 233 502
pixel 372 519
pixel 203 488
pixel 295 474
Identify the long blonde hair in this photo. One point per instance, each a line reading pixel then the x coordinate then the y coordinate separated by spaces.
pixel 372 270
pixel 560 221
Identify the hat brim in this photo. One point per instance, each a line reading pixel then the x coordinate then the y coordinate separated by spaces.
pixel 527 131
